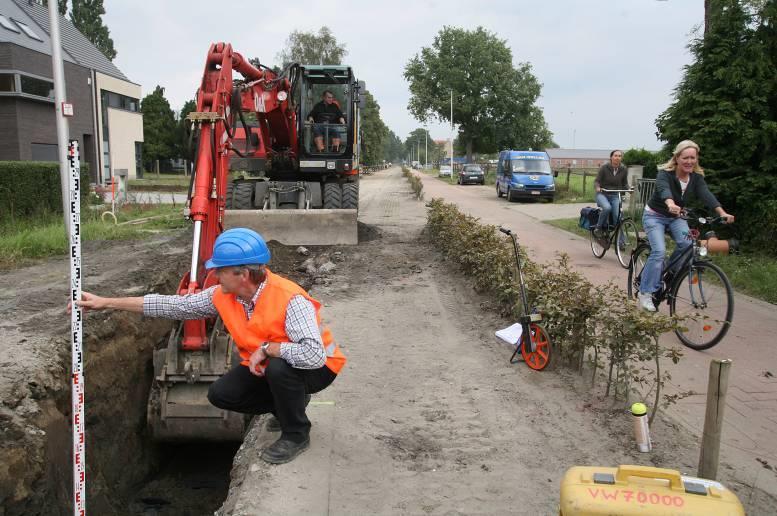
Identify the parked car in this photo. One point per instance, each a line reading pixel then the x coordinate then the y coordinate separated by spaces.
pixel 471 174
pixel 525 175
pixel 445 171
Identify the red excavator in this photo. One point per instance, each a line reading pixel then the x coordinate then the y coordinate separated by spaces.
pixel 259 163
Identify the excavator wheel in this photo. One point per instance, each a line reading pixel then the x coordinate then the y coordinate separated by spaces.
pixel 230 195
pixel 333 196
pixel 351 195
pixel 244 193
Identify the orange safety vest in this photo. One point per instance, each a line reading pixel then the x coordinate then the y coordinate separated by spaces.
pixel 268 322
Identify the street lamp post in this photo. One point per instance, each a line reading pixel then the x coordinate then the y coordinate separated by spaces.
pixel 426 148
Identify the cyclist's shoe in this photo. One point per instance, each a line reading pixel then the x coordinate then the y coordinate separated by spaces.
pixel 646 301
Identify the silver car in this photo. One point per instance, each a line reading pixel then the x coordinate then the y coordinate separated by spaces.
pixel 445 171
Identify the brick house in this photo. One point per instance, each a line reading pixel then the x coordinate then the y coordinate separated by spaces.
pixel 578 158
pixel 107 121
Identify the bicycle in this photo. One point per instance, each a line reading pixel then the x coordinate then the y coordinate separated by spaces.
pixel 625 230
pixel 534 345
pixel 695 289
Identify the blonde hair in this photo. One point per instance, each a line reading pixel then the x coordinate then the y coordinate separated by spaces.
pixel 672 163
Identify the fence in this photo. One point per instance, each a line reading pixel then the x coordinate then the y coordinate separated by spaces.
pixel 643 190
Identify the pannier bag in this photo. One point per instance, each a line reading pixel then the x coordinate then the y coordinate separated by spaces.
pixel 589 216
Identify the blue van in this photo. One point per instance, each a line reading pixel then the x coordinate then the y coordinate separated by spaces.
pixel 524 175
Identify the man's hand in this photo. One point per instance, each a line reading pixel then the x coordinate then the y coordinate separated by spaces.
pixel 257 362
pixel 89 302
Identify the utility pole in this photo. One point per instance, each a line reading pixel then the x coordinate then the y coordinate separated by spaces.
pixel 63 131
pixel 426 148
pixel 451 157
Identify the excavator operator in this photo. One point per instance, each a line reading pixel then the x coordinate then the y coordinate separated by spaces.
pixel 326 112
pixel 287 353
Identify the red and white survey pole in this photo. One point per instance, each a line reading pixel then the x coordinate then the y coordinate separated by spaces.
pixel 76 333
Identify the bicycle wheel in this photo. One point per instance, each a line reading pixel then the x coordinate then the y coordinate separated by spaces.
pixel 626 242
pixel 636 264
pixel 597 245
pixel 702 295
pixel 540 357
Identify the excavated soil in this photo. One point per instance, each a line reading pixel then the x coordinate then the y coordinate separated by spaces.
pixel 125 471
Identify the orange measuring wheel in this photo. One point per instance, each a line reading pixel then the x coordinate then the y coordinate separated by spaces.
pixel 540 357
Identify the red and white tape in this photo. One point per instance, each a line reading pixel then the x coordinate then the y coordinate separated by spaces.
pixel 76 318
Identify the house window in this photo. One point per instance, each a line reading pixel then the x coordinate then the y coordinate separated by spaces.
pixel 28 31
pixel 7 82
pixel 37 87
pixel 7 24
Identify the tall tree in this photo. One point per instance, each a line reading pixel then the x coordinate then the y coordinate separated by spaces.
pixel 373 131
pixel 61 5
pixel 181 147
pixel 393 150
pixel 312 48
pixel 86 15
pixel 494 102
pixel 726 103
pixel 159 128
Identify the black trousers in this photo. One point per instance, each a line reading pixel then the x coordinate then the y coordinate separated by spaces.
pixel 281 391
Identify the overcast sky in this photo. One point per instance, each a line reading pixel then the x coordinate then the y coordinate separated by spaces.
pixel 608 67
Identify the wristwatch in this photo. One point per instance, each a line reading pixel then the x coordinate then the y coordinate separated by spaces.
pixel 265 348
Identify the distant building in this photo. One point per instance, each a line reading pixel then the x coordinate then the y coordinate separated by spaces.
pixel 106 122
pixel 578 158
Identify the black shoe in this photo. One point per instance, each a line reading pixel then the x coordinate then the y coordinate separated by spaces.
pixel 283 451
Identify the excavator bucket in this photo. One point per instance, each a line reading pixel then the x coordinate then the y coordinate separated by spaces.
pixel 299 227
pixel 178 407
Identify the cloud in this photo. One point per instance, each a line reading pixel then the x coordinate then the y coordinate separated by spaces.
pixel 608 68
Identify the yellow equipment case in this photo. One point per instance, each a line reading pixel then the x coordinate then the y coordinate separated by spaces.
pixel 631 490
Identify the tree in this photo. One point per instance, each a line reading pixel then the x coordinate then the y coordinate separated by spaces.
pixel 61 6
pixel 727 102
pixel 373 130
pixel 181 147
pixel 86 15
pixel 646 158
pixel 494 103
pixel 159 128
pixel 416 145
pixel 312 48
pixel 393 150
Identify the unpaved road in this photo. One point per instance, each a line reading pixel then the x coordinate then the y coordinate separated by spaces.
pixel 748 443
pixel 428 417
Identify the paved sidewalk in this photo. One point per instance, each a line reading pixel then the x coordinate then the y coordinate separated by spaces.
pixel 748 445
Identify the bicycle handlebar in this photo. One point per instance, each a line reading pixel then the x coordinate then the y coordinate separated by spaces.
pixel 630 190
pixel 505 231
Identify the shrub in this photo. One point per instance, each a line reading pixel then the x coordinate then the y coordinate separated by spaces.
pixel 32 188
pixel 585 321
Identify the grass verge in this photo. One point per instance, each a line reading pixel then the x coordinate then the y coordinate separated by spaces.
pixel 751 274
pixel 45 235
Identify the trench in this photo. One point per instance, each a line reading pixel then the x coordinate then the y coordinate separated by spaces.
pixel 127 473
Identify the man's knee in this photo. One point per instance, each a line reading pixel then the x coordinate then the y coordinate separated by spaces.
pixel 216 394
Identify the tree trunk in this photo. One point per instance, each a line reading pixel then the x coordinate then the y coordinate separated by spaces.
pixel 469 150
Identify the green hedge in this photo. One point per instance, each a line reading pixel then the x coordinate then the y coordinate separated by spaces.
pixel 29 188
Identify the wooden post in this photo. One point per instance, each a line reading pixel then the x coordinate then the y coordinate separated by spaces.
pixel 156 167
pixel 584 171
pixel 569 173
pixel 713 419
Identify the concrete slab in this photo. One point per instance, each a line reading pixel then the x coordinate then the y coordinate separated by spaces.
pixel 299 227
pixel 299 487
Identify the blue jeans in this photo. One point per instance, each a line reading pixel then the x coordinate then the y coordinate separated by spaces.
pixel 611 206
pixel 655 226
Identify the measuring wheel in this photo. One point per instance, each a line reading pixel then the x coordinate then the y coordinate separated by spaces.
pixel 540 357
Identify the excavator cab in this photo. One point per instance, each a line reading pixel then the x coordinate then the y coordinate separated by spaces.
pixel 324 137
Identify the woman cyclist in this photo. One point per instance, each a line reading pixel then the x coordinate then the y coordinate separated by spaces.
pixel 678 181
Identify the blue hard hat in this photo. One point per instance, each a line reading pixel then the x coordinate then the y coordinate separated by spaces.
pixel 238 246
